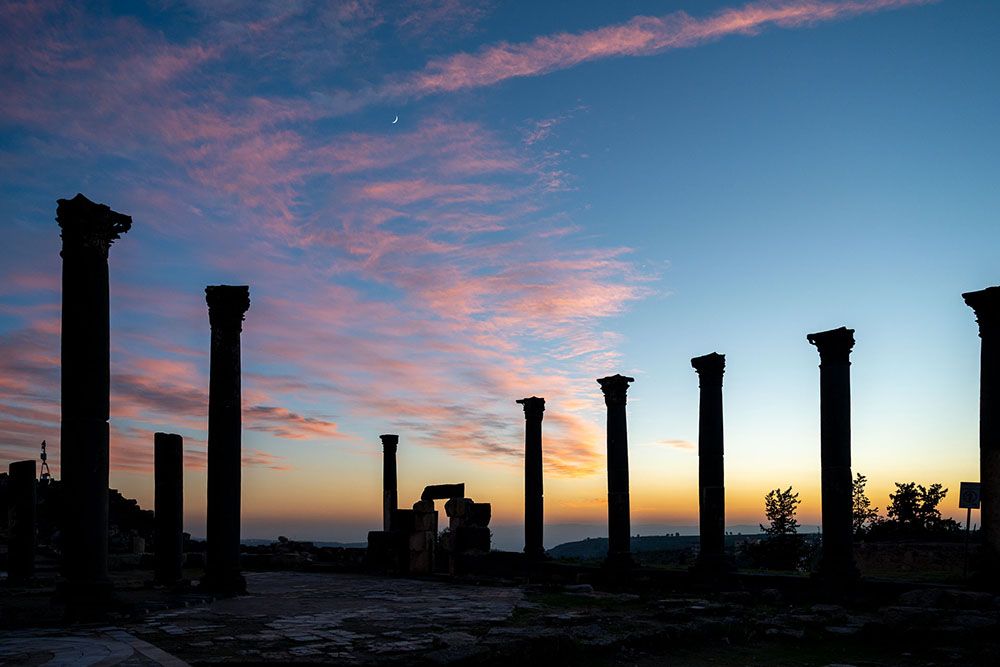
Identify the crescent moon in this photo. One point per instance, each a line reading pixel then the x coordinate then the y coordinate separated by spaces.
pixel 396 120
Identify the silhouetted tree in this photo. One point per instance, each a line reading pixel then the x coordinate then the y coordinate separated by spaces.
pixel 782 548
pixel 864 516
pixel 780 508
pixel 913 512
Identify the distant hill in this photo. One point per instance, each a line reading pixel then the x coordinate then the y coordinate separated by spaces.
pixel 252 542
pixel 597 547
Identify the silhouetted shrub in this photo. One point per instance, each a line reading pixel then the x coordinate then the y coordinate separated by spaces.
pixel 914 514
pixel 863 516
pixel 781 548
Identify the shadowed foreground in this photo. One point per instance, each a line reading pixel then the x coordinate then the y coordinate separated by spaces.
pixel 360 619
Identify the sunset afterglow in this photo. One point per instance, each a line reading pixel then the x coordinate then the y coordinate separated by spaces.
pixel 572 190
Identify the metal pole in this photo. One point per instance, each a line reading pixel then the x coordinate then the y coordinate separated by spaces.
pixel 968 520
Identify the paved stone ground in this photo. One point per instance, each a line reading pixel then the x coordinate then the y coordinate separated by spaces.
pixel 349 619
pixel 332 618
pixel 103 646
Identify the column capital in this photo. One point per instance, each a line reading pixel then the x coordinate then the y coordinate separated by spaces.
pixel 834 345
pixel 389 442
pixel 85 224
pixel 710 368
pixel 614 388
pixel 227 304
pixel 986 304
pixel 533 407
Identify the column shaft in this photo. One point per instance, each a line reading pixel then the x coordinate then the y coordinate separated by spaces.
pixel 534 502
pixel 390 494
pixel 711 471
pixel 227 304
pixel 168 470
pixel 837 559
pixel 21 499
pixel 619 530
pixel 88 230
pixel 986 304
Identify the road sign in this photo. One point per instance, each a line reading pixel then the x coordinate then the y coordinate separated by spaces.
pixel 968 496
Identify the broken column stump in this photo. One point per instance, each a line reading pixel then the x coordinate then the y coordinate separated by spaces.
pixel 21 525
pixel 168 472
pixel 390 498
pixel 420 526
pixel 468 531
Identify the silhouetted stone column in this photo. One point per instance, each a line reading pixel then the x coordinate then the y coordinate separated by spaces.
pixel 390 495
pixel 534 508
pixel 88 230
pixel 711 470
pixel 227 305
pixel 168 470
pixel 21 521
pixel 837 560
pixel 986 304
pixel 615 388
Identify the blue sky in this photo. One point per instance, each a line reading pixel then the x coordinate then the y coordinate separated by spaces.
pixel 572 190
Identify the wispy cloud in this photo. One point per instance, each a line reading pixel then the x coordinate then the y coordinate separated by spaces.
pixel 640 36
pixel 419 279
pixel 674 443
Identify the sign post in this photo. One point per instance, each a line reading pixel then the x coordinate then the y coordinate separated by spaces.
pixel 968 498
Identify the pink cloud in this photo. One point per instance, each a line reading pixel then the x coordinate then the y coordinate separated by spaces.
pixel 640 36
pixel 420 280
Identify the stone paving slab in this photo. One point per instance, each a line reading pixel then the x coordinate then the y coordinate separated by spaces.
pixel 301 617
pixel 105 647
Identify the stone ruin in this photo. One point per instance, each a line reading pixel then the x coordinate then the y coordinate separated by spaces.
pixel 411 544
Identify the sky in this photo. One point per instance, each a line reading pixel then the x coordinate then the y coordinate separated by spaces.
pixel 572 190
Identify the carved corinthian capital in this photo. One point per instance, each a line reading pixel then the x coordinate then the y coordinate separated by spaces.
pixel 710 368
pixel 226 305
pixel 533 407
pixel 85 224
pixel 834 346
pixel 389 442
pixel 986 304
pixel 615 387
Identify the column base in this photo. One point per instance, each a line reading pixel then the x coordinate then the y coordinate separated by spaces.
pixel 712 567
pixel 837 574
pixel 984 568
pixel 86 600
pixel 95 591
pixel 620 561
pixel 225 585
pixel 180 584
pixel 20 579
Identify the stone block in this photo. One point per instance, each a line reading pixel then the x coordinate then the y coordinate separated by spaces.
pixel 421 540
pixel 458 508
pixel 423 506
pixel 472 538
pixel 443 491
pixel 387 552
pixel 480 514
pixel 425 521
pixel 421 552
pixel 401 521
